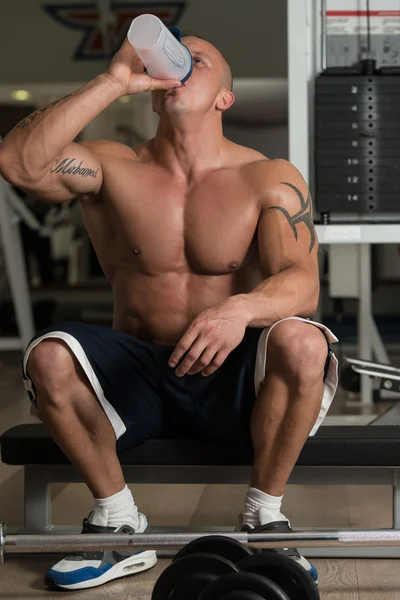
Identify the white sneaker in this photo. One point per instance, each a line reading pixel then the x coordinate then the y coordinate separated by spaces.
pixel 90 569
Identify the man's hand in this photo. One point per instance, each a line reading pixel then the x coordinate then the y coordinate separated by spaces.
pixel 128 70
pixel 210 338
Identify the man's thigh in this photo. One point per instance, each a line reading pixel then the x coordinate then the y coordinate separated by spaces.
pixel 225 410
pixel 123 375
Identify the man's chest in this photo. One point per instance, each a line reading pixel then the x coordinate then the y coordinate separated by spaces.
pixel 208 228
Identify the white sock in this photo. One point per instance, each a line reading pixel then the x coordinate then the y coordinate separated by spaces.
pixel 116 510
pixel 257 503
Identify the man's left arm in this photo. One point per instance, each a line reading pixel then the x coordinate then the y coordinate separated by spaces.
pixel 288 250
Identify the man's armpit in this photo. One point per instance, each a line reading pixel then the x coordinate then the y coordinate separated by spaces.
pixel 304 215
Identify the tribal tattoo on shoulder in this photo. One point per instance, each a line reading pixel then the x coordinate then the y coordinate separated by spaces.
pixel 304 215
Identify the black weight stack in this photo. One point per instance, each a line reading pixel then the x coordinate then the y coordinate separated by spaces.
pixel 357 146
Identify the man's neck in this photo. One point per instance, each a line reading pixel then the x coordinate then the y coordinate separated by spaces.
pixel 189 150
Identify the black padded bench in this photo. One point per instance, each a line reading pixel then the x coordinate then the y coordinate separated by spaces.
pixel 338 455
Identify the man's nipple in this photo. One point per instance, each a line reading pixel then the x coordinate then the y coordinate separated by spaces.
pixel 136 250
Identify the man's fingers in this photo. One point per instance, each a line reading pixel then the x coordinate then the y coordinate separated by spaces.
pixel 182 347
pixel 204 361
pixel 216 363
pixel 163 84
pixel 192 355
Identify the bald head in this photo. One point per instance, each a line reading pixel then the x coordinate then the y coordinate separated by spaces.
pixel 227 76
pixel 208 91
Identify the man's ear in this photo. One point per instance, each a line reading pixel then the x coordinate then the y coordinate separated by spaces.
pixel 225 101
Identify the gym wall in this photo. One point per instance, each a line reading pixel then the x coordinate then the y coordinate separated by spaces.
pixel 38 48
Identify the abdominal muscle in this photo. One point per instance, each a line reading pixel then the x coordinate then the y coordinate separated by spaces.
pixel 158 309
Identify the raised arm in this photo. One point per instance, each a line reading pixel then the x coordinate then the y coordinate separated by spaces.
pixel 288 247
pixel 39 155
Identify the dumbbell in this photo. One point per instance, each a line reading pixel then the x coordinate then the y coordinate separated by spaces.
pixel 221 568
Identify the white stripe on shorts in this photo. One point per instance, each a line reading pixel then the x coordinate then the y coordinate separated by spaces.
pixel 331 379
pixel 117 423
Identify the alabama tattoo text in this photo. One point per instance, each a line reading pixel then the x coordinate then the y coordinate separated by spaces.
pixel 67 167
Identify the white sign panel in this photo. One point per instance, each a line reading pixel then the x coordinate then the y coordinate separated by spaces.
pixel 347 26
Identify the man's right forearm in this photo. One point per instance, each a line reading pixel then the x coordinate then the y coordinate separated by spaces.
pixel 39 138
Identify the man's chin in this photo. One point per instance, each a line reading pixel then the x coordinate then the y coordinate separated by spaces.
pixel 172 106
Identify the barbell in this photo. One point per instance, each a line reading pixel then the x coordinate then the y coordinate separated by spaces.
pixel 49 543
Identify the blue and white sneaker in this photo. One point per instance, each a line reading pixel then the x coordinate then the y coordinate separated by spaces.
pixel 292 553
pixel 83 570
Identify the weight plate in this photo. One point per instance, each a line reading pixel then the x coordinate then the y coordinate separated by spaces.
pixel 361 173
pixel 357 107
pixel 216 544
pixel 346 99
pixel 360 188
pixel 352 140
pixel 356 184
pixel 346 119
pixel 330 83
pixel 358 146
pixel 351 166
pixel 366 173
pixel 284 571
pixel 367 207
pixel 202 567
pixel 388 138
pixel 191 587
pixel 356 89
pixel 254 585
pixel 378 129
pixel 242 595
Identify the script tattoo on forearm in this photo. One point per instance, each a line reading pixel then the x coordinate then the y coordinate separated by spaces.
pixel 67 167
pixel 25 122
pixel 303 216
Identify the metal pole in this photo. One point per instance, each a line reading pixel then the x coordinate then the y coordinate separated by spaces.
pixel 364 320
pixel 369 49
pixel 298 85
pixel 16 544
pixel 378 347
pixel 10 237
pixel 324 35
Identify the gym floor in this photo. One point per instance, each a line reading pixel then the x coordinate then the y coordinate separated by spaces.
pixel 195 505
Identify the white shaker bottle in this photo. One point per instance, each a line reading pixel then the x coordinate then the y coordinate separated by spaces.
pixel 159 50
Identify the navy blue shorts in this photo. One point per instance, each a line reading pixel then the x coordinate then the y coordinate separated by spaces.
pixel 142 396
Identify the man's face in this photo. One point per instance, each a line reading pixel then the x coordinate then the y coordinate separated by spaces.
pixel 200 93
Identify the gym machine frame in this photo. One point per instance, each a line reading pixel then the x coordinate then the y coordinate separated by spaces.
pixel 307 57
pixel 12 210
pixel 387 376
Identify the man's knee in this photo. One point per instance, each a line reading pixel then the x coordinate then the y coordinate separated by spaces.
pixel 298 349
pixel 50 365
